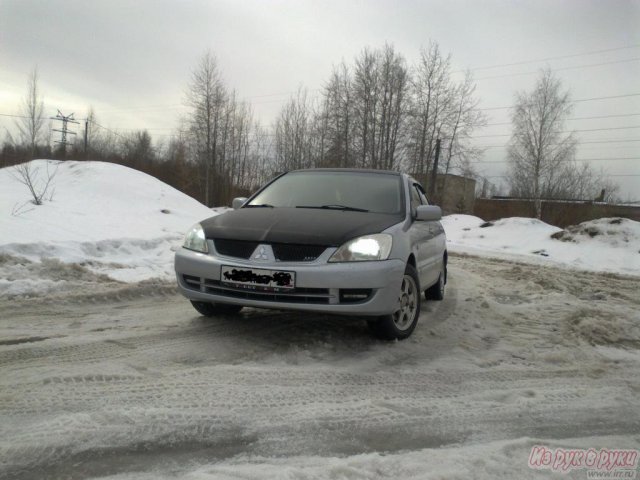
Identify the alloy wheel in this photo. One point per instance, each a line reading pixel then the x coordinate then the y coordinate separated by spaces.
pixel 408 300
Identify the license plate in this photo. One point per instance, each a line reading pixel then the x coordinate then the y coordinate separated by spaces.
pixel 257 279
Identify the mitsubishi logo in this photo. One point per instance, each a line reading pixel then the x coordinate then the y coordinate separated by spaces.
pixel 262 254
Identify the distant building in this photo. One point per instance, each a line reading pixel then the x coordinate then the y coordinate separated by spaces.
pixel 454 193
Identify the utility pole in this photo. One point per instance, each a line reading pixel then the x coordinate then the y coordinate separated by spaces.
pixel 64 131
pixel 86 137
pixel 434 172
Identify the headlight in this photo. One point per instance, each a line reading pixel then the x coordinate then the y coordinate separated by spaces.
pixel 195 239
pixel 369 247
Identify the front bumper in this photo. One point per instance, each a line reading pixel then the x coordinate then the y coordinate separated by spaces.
pixel 320 286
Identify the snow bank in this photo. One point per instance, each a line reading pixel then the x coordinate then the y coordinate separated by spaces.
pixel 606 244
pixel 106 218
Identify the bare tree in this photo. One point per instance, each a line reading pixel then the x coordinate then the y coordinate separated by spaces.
pixel 366 86
pixel 206 96
pixel 360 120
pixel 464 119
pixel 293 133
pixel 137 149
pixel 30 125
pixel 40 186
pixel 541 157
pixel 261 165
pixel 393 88
pixel 235 145
pixel 339 107
pixel 31 122
pixel 432 101
pixel 379 98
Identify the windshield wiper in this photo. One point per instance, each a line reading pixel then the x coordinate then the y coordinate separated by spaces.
pixel 260 205
pixel 334 207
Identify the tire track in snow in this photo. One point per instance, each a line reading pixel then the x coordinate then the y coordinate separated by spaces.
pixel 164 383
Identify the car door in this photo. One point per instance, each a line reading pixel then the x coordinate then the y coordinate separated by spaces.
pixel 422 234
pixel 436 244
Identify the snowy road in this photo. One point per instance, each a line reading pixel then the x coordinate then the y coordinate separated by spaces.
pixel 516 355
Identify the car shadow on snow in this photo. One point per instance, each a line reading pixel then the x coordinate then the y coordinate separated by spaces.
pixel 295 337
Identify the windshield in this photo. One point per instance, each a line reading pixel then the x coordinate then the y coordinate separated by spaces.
pixel 372 192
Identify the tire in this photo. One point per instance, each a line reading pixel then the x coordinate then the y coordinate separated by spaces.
pixel 208 309
pixel 436 291
pixel 401 324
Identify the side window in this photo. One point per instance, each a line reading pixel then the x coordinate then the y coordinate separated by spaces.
pixel 422 193
pixel 415 199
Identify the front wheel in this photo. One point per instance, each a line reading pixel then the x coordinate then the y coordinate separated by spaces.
pixel 400 324
pixel 212 309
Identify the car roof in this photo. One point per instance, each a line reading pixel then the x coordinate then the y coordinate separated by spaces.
pixel 354 170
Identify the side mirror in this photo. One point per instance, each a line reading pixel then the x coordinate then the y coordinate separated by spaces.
pixel 238 202
pixel 428 213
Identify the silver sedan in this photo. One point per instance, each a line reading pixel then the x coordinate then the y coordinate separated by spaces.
pixel 350 242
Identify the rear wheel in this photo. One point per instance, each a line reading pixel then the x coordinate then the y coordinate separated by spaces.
pixel 209 309
pixel 400 324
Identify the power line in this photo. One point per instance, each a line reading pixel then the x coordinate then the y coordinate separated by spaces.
pixel 140 108
pixel 576 118
pixel 581 143
pixel 576 159
pixel 524 62
pixel 562 68
pixel 564 131
pixel 107 129
pixel 605 175
pixel 572 101
pixel 279 94
pixel 481 109
pixel 157 107
pixel 14 116
pixel 144 107
pixel 605 98
pixel 475 136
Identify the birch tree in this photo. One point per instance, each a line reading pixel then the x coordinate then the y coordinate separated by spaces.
pixel 293 134
pixel 432 100
pixel 541 156
pixel 31 122
pixel 206 96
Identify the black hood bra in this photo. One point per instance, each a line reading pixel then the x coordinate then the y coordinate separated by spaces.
pixel 304 226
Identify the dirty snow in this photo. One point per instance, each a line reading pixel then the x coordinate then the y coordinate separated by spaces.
pixel 144 388
pixel 605 245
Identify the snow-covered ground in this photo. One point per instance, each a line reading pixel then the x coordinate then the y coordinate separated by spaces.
pixel 104 218
pixel 106 373
pixel 603 245
pixel 138 389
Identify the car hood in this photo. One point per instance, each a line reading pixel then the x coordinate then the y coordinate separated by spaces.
pixel 297 225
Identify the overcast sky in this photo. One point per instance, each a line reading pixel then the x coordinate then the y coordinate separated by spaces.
pixel 131 60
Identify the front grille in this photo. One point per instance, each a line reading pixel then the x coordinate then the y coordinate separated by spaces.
pixel 319 296
pixel 283 252
pixel 297 295
pixel 235 248
pixel 297 253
